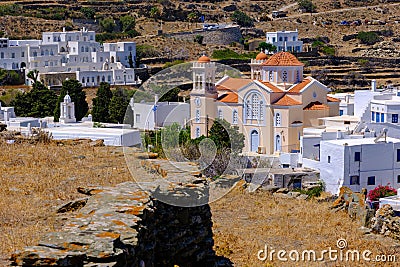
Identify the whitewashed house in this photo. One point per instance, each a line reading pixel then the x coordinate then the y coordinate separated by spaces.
pixel 285 40
pixel 152 115
pixel 357 163
pixel 346 106
pixel 73 54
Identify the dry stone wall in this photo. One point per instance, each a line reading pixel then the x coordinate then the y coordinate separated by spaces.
pixel 224 36
pixel 126 226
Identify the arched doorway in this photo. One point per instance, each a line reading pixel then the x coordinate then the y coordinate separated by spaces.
pixel 254 141
pixel 112 59
pixel 278 145
pixel 23 65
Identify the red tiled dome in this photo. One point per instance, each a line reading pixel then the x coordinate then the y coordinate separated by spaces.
pixel 204 59
pixel 261 56
pixel 283 59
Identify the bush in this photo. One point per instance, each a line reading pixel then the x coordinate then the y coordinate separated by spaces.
pixel 328 50
pixel 307 6
pixel 242 19
pixel 381 191
pixel 368 38
pixel 107 25
pixel 199 39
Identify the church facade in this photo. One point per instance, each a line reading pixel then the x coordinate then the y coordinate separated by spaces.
pixel 271 108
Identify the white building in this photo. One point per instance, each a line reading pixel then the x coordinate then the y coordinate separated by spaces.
pixel 357 163
pixel 346 106
pixel 285 40
pixel 149 115
pixel 76 53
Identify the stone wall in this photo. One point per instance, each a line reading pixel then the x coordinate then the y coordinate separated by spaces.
pixel 125 225
pixel 224 36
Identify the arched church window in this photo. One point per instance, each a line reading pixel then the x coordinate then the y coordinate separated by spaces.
pixel 235 117
pixel 197 115
pixel 255 109
pixel 270 75
pixel 248 109
pixel 284 76
pixel 220 115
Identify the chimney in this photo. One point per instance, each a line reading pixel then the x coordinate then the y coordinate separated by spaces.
pixel 347 98
pixel 373 85
pixel 63 29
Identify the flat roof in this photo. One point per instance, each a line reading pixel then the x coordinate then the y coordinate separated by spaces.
pixel 341 118
pixel 361 141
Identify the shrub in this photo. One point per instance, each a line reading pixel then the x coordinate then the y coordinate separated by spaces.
pixel 368 38
pixel 307 5
pixel 381 191
pixel 242 19
pixel 199 39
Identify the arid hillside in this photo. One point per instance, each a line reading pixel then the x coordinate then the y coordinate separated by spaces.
pixel 38 178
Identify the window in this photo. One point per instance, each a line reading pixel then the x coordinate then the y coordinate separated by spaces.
pixel 273 39
pixel 197 115
pixel 235 117
pixel 2 55
pixel 378 116
pixel 357 156
pixel 35 53
pixel 255 106
pixel 373 116
pixel 261 110
pixel 137 118
pixel 87 79
pixel 398 155
pixel 220 116
pixel 398 179
pixel 341 112
pixel 278 119
pixel 197 132
pixel 294 38
pixel 354 180
pixel 298 76
pixel 382 117
pixel 12 55
pixel 284 76
pixel 280 39
pixel 329 159
pixel 22 54
pixel 285 39
pixel 83 79
pixel 395 118
pixel 270 75
pixel 371 180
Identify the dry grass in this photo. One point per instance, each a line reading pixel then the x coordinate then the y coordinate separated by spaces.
pixel 35 179
pixel 244 223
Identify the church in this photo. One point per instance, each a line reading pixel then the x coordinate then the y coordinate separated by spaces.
pixel 271 108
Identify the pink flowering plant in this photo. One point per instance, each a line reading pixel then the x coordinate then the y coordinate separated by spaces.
pixel 381 191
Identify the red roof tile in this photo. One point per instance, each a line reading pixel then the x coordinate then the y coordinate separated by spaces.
pixel 287 101
pixel 332 99
pixel 272 87
pixel 229 97
pixel 233 84
pixel 300 86
pixel 316 106
pixel 283 59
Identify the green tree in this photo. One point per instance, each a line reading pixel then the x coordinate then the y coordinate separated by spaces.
pixel 39 102
pixel 107 25
pixel 127 23
pixel 101 103
pixel 130 60
pixel 78 96
pixel 155 12
pixel 88 12
pixel 192 17
pixel 267 46
pixel 226 136
pixel 199 39
pixel 307 6
pixel 118 105
pixel 242 19
pixel 33 75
